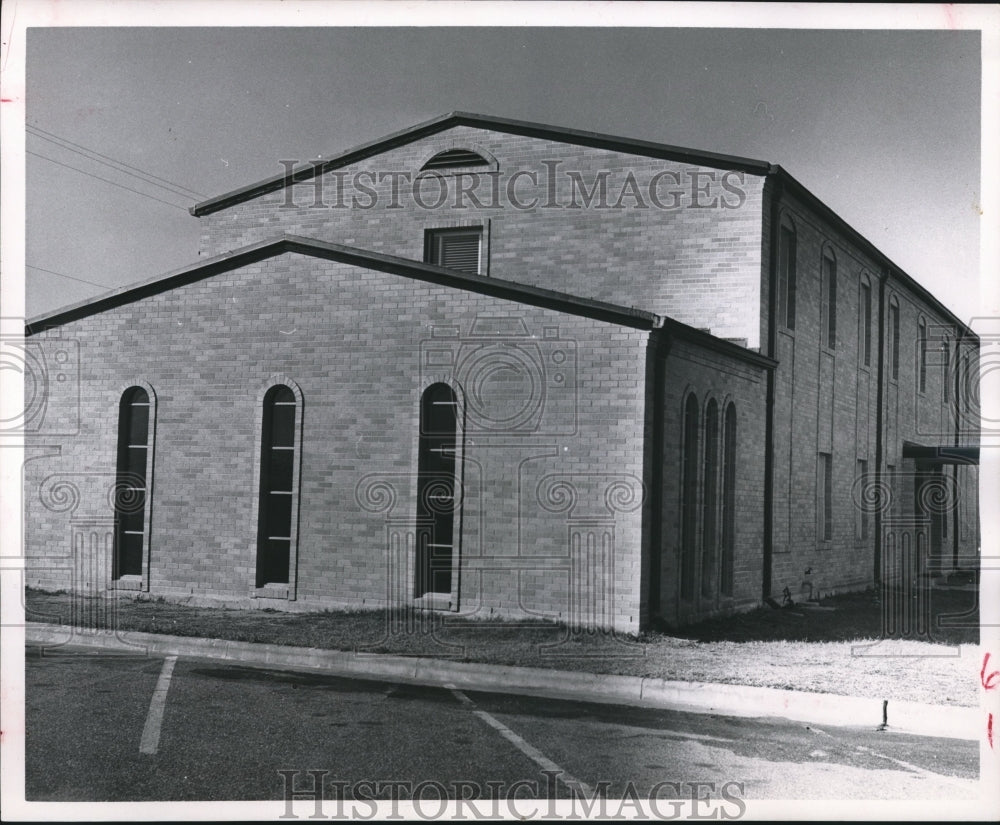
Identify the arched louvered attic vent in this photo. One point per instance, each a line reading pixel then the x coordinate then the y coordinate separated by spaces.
pixel 454 158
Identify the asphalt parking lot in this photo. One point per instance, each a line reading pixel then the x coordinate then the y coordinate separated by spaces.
pixel 111 727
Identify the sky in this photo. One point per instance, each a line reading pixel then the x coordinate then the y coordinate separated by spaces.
pixel 884 126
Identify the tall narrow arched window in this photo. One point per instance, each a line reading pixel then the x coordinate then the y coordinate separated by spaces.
pixel 689 498
pixel 786 275
pixel 865 321
pixel 946 376
pixel 728 501
pixel 131 488
pixel 277 505
pixel 710 502
pixel 894 339
pixel 436 492
pixel 922 354
pixel 830 299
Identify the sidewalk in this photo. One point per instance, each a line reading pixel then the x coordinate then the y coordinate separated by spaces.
pixel 691 696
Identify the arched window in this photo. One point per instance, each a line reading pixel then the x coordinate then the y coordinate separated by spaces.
pixel 436 500
pixel 689 493
pixel 134 457
pixel 728 501
pixel 786 274
pixel 455 159
pixel 946 376
pixel 922 355
pixel 865 321
pixel 710 502
pixel 894 339
pixel 830 298
pixel 277 507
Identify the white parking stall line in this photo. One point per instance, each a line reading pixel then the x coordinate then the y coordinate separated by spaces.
pixel 154 719
pixel 525 747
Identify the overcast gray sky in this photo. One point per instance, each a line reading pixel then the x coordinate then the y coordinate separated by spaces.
pixel 882 125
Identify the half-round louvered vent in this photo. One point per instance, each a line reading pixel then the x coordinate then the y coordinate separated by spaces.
pixel 454 158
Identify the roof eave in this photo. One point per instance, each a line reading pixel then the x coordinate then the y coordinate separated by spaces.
pixel 506 290
pixel 576 137
pixel 894 270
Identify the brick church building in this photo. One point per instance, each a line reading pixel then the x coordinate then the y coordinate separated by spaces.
pixel 506 369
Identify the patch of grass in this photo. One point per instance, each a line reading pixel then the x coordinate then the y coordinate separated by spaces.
pixel 836 647
pixel 952 617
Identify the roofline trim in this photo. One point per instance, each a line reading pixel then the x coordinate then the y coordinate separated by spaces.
pixel 580 138
pixel 895 271
pixel 524 128
pixel 495 287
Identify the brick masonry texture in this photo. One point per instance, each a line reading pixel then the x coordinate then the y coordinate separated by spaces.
pixel 826 401
pixel 353 342
pixel 567 511
pixel 696 260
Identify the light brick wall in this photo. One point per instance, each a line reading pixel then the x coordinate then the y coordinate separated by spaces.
pixel 712 375
pixel 826 401
pixel 697 260
pixel 352 340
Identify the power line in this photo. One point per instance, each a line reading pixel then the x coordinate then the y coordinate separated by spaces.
pixel 98 177
pixel 64 275
pixel 114 163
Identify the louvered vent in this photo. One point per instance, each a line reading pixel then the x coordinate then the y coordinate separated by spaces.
pixel 455 249
pixel 454 158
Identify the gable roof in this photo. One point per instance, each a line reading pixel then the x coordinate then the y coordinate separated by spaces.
pixel 429 273
pixel 577 137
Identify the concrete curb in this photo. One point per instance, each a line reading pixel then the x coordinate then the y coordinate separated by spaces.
pixel 697 697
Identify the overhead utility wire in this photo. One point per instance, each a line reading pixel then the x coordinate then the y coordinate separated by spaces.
pixel 98 177
pixel 64 275
pixel 114 163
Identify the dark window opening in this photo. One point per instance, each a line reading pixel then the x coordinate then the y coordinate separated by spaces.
pixel 866 324
pixel 946 371
pixel 863 517
pixel 786 273
pixel 894 339
pixel 455 158
pixel 826 495
pixel 454 248
pixel 830 277
pixel 689 507
pixel 436 501
pixel 130 487
pixel 710 501
pixel 728 502
pixel 922 343
pixel 277 493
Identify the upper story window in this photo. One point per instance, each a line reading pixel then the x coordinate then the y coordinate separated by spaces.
pixel 457 248
pixel 894 339
pixel 454 159
pixel 830 303
pixel 946 376
pixel 865 319
pixel 922 354
pixel 786 275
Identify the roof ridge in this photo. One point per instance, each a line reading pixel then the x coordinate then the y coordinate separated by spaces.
pixel 575 137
